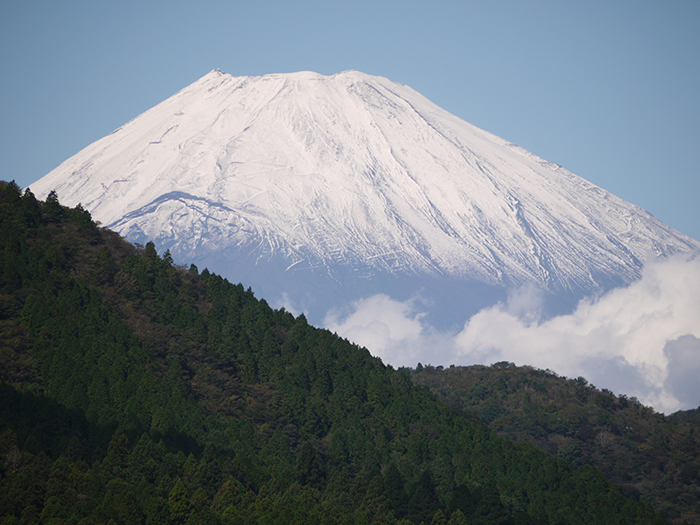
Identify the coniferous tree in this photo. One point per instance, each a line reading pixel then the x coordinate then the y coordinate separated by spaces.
pixel 424 502
pixel 308 468
pixel 179 503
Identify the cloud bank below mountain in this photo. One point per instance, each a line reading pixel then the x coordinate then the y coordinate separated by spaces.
pixel 642 340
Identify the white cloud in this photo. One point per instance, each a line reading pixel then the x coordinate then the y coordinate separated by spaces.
pixel 642 340
pixel 288 304
pixel 683 379
pixel 390 329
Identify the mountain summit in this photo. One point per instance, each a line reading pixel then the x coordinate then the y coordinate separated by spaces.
pixel 317 190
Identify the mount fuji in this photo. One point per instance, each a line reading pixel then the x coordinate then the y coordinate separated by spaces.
pixel 320 190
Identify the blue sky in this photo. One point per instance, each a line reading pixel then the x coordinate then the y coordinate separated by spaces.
pixel 608 89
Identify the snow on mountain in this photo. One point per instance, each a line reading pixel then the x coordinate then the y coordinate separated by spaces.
pixel 317 190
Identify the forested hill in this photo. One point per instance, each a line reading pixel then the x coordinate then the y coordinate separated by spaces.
pixel 654 457
pixel 136 391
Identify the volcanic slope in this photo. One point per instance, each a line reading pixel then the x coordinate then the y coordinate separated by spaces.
pixel 318 190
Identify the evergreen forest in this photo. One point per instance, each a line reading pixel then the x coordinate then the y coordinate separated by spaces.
pixel 134 390
pixel 654 458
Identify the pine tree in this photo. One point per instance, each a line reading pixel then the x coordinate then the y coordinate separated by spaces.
pixel 308 469
pixel 394 489
pixel 179 503
pixel 424 503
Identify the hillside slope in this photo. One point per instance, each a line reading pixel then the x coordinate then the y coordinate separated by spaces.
pixel 137 391
pixel 654 457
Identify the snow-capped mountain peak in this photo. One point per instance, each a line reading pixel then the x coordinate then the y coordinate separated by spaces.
pixel 303 184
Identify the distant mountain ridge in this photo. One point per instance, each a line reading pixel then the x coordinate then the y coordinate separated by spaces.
pixel 320 190
pixel 573 420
